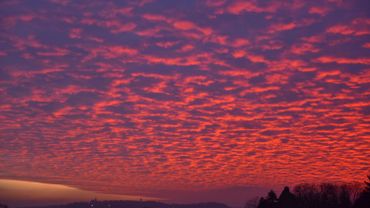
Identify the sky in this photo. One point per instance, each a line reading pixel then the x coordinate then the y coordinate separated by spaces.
pixel 19 193
pixel 178 100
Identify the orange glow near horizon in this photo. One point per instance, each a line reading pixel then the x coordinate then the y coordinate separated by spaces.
pixel 47 193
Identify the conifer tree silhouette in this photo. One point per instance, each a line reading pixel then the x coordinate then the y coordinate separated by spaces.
pixel 364 200
pixel 287 199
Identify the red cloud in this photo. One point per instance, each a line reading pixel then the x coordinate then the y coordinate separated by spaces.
pixel 187 25
pixel 154 17
pixel 238 7
pixel 322 11
pixel 75 33
pixel 2 53
pixel 239 42
pixel 341 60
pixel 186 48
pixel 115 26
pixel 304 48
pixel 282 27
pixel 54 52
pixel 358 27
pixel 366 45
pixel 184 25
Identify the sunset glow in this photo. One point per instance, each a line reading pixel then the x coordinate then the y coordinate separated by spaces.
pixel 44 193
pixel 158 98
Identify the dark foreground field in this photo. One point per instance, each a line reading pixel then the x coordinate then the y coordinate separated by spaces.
pixel 133 204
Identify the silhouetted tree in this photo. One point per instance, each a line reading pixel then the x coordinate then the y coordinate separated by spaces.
pixel 93 203
pixel 364 200
pixel 325 195
pixel 271 196
pixel 287 199
pixel 307 195
pixel 329 196
pixel 355 190
pixel 3 205
pixel 262 203
pixel 269 202
pixel 252 203
pixel 344 197
pixel 272 199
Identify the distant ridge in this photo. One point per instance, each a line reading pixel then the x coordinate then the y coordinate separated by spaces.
pixel 133 204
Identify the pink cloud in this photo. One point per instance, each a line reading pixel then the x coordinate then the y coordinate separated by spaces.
pixel 342 60
pixel 75 33
pixel 238 7
pixel 358 27
pixel 319 10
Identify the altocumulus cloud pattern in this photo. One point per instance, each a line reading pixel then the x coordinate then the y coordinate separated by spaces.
pixel 163 95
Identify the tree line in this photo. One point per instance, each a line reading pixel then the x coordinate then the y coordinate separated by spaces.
pixel 325 195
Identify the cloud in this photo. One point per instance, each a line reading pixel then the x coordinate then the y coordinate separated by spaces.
pixel 319 10
pixel 238 7
pixel 357 27
pixel 342 60
pixel 48 193
pixel 153 97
